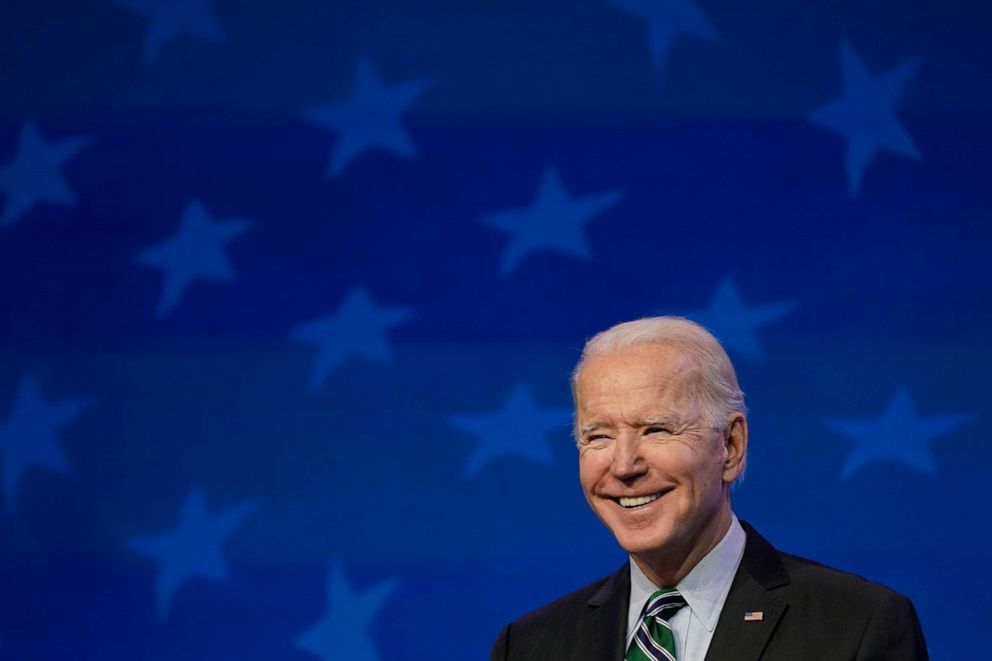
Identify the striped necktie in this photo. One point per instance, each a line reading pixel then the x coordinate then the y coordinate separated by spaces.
pixel 654 640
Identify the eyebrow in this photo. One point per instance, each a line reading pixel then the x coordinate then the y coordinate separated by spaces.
pixel 589 426
pixel 657 420
pixel 643 422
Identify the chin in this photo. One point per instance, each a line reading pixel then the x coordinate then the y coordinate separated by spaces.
pixel 640 544
pixel 646 535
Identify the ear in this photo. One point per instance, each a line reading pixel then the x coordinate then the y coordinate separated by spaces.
pixel 735 441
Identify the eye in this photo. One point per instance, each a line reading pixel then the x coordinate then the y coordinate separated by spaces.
pixel 597 439
pixel 661 431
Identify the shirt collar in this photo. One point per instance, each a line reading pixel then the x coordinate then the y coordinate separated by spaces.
pixel 705 588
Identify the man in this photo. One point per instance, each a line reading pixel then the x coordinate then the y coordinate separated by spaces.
pixel 662 434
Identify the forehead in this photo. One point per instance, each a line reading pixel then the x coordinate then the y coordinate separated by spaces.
pixel 661 376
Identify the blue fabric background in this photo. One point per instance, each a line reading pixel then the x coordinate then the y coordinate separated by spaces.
pixel 291 292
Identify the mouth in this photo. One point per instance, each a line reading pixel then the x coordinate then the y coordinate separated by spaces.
pixel 634 502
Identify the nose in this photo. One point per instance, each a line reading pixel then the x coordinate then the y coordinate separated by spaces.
pixel 628 463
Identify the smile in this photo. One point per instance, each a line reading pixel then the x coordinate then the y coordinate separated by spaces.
pixel 638 501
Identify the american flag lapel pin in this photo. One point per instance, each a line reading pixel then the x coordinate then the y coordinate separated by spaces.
pixel 754 616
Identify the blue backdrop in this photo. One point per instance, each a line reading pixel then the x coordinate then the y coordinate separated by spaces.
pixel 291 292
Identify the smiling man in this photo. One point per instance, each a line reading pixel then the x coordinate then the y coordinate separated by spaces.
pixel 662 434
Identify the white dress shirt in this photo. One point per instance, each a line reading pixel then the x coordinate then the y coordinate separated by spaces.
pixel 705 589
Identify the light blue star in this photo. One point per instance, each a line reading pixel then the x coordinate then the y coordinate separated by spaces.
pixel 370 118
pixel 864 115
pixel 29 436
pixel 520 428
pixel 196 250
pixel 357 328
pixel 192 549
pixel 34 174
pixel 735 323
pixel 170 18
pixel 344 631
pixel 899 434
pixel 555 221
pixel 665 19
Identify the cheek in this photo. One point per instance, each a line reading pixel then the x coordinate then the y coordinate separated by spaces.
pixel 674 460
pixel 708 481
pixel 698 473
pixel 593 465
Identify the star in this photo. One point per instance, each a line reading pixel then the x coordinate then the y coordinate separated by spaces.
pixel 195 251
pixel 665 19
pixel 899 434
pixel 554 221
pixel 735 323
pixel 29 436
pixel 864 115
pixel 370 118
pixel 520 428
pixel 34 174
pixel 171 18
pixel 357 328
pixel 344 631
pixel 192 549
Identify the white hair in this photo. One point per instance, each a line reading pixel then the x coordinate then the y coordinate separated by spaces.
pixel 721 395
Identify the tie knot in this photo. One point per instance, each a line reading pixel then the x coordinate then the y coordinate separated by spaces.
pixel 664 604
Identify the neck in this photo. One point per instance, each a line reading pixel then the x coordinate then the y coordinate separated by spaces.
pixel 667 569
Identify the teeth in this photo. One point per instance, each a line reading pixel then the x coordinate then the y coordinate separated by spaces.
pixel 641 500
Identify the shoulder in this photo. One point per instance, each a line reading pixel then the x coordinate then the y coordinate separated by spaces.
pixel 813 582
pixel 805 578
pixel 825 608
pixel 865 619
pixel 581 624
pixel 563 609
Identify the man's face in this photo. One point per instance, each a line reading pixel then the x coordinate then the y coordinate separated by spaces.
pixel 651 468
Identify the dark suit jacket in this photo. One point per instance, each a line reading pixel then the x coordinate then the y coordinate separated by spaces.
pixel 809 613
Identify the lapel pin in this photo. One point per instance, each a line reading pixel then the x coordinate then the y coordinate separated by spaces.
pixel 754 616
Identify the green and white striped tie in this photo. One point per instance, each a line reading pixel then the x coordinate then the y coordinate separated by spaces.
pixel 654 640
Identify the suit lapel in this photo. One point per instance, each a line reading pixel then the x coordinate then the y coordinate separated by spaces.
pixel 761 571
pixel 602 631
